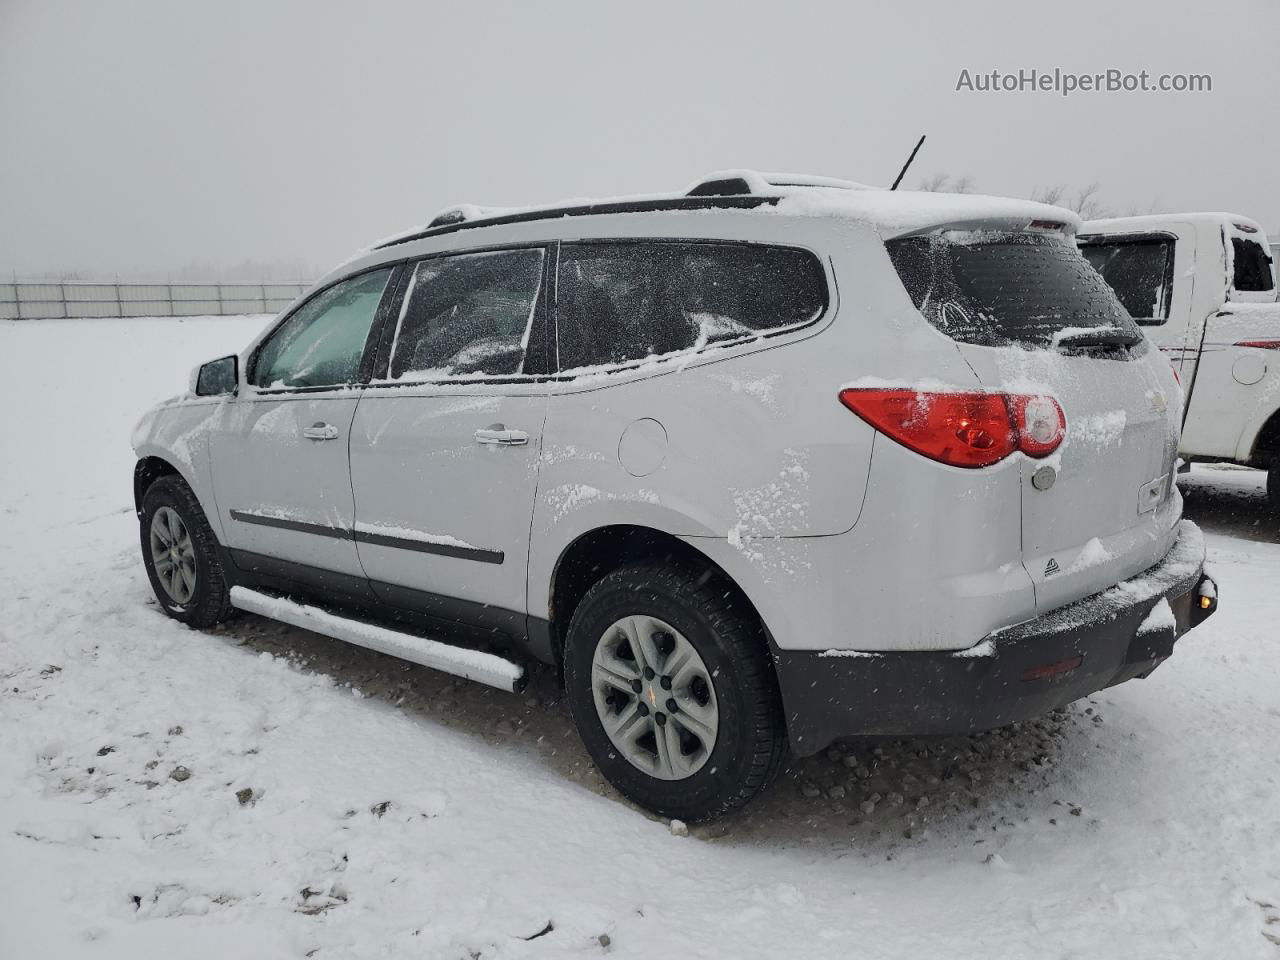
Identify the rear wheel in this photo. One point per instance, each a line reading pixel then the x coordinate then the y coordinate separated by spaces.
pixel 672 691
pixel 181 556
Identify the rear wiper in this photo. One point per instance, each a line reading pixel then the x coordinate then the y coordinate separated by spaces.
pixel 1097 337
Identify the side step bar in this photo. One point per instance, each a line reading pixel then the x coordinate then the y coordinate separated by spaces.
pixel 471 664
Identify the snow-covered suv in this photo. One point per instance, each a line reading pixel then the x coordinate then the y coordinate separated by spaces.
pixel 763 464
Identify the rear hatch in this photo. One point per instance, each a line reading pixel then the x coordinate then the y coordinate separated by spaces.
pixel 1030 316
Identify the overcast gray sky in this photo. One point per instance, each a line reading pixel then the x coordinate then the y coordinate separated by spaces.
pixel 150 135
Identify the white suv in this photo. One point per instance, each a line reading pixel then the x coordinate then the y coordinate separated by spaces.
pixel 771 462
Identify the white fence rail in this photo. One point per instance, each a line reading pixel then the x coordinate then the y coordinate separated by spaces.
pixel 36 301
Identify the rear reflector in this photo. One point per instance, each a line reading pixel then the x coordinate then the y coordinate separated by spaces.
pixel 1259 344
pixel 1052 669
pixel 970 429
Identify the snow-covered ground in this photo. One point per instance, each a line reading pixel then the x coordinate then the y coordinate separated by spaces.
pixel 257 791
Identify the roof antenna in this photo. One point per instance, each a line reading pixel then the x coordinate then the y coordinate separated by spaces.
pixel 903 172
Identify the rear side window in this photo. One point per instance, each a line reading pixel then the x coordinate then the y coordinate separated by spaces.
pixel 1252 266
pixel 621 302
pixel 1139 270
pixel 468 315
pixel 997 289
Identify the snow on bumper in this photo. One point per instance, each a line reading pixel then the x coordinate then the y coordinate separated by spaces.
pixel 1015 673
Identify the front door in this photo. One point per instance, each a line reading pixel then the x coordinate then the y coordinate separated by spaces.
pixel 281 475
pixel 444 448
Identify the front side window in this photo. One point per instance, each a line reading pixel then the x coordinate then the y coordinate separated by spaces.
pixel 1002 289
pixel 622 302
pixel 468 315
pixel 321 343
pixel 1139 270
pixel 1252 266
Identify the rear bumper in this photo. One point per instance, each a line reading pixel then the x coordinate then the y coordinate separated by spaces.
pixel 1013 674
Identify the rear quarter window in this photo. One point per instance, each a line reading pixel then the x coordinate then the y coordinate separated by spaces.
pixel 621 302
pixel 1001 289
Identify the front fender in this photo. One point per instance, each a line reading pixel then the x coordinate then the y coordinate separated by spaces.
pixel 178 433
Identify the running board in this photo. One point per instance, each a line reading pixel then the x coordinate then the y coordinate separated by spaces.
pixel 461 662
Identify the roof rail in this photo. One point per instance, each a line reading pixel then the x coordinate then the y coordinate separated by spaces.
pixel 461 218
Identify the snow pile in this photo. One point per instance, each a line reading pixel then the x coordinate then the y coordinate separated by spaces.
pixel 1160 619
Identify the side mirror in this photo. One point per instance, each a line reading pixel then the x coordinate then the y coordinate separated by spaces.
pixel 217 377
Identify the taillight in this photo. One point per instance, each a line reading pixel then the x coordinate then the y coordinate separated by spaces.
pixel 1176 375
pixel 1260 344
pixel 962 429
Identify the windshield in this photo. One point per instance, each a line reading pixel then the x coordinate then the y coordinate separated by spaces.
pixel 998 289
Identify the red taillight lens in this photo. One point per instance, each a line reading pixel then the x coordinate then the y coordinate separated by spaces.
pixel 962 429
pixel 1176 375
pixel 1259 344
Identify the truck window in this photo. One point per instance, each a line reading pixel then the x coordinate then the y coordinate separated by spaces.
pixel 1138 269
pixel 1000 289
pixel 1252 266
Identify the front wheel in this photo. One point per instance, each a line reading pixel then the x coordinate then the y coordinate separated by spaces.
pixel 181 556
pixel 671 688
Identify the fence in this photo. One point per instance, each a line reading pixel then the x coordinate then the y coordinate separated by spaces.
pixel 34 301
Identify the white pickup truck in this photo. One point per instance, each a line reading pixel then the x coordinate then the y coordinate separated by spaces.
pixel 1203 286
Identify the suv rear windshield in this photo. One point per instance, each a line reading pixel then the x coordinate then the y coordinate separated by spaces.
pixel 1138 269
pixel 1000 289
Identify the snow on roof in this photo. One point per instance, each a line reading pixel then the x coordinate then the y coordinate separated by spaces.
pixel 1153 221
pixel 895 213
pixel 901 212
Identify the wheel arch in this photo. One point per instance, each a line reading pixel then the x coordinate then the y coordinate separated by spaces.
pixel 1265 451
pixel 146 472
pixel 599 551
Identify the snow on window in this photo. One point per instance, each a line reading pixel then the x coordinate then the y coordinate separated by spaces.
pixel 468 315
pixel 1006 289
pixel 622 302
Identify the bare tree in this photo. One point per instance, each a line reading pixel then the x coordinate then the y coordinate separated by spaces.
pixel 943 183
pixel 1050 195
pixel 1084 201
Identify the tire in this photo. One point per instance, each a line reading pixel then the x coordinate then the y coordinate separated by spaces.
pixel 201 596
pixel 1273 487
pixel 676 607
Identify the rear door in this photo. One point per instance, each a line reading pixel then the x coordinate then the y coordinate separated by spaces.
pixel 1030 316
pixel 279 449
pixel 445 443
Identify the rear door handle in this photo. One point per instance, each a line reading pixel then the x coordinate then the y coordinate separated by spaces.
pixel 500 436
pixel 320 431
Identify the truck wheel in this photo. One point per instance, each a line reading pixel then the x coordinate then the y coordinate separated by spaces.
pixel 1273 487
pixel 181 557
pixel 672 691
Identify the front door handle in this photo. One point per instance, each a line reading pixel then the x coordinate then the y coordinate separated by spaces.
pixel 320 431
pixel 500 436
